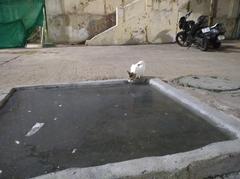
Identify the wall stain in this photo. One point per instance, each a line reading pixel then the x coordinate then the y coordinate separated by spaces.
pixel 164 36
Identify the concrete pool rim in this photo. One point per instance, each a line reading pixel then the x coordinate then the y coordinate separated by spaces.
pixel 186 165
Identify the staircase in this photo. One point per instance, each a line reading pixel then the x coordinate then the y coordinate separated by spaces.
pixel 129 28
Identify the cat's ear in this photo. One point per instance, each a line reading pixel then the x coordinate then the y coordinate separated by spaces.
pixel 129 73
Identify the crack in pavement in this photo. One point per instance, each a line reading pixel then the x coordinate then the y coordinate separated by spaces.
pixel 10 60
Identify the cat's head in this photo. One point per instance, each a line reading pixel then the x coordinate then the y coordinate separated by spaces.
pixel 132 76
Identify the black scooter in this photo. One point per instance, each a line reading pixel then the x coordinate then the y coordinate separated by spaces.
pixel 199 33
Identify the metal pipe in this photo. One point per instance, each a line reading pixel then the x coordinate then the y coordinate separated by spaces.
pixel 45 17
pixel 211 12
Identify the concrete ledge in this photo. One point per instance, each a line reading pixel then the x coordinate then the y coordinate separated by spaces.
pixel 4 96
pixel 67 85
pixel 218 118
pixel 194 164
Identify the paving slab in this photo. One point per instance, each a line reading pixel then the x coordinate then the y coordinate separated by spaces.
pixel 211 83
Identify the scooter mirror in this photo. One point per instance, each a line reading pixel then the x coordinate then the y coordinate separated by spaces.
pixel 189 13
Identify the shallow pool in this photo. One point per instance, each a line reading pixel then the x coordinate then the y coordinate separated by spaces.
pixel 94 125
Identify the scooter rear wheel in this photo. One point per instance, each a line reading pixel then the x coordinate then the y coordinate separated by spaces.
pixel 204 44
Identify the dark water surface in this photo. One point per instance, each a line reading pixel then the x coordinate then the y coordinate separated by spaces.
pixel 102 124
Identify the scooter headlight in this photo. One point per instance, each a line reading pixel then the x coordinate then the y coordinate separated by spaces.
pixel 221 37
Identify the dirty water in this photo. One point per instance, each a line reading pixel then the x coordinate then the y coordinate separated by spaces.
pixel 89 126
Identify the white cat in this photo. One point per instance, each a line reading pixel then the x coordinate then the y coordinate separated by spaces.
pixel 137 70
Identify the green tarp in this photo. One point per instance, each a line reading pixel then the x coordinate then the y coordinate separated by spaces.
pixel 18 19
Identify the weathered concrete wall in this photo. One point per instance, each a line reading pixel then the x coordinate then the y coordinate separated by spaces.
pixel 143 21
pixel 162 22
pixel 139 21
pixel 228 13
pixel 74 21
pixel 156 21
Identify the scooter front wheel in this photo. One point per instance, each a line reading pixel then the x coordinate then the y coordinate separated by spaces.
pixel 181 39
pixel 216 45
